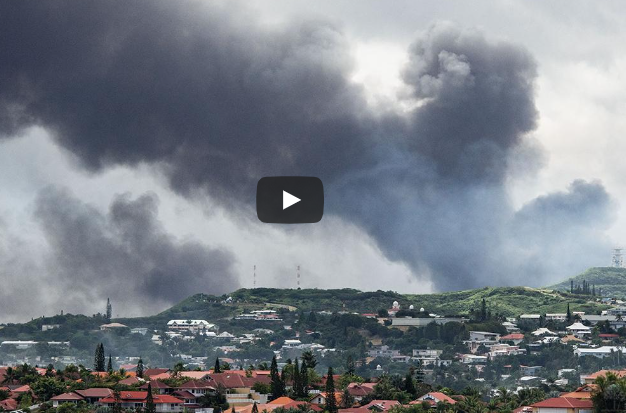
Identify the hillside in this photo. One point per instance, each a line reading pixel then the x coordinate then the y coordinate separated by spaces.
pixel 508 301
pixel 611 280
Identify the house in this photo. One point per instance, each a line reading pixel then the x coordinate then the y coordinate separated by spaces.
pixel 190 401
pixel 248 408
pixel 434 398
pixel 112 326
pixel 578 330
pixel 70 397
pixel 590 379
pixel 481 338
pixel 154 372
pixel 542 332
pixel 137 400
pixel 563 405
pixel 139 330
pixel 530 317
pixel 383 351
pixel 360 390
pixel 615 321
pixel 320 398
pixel 46 327
pixel 583 392
pixel 600 352
pixel 558 317
pixel 473 359
pixel 197 387
pixel 516 338
pixel 8 404
pixel 529 370
pixel 381 405
pixel 484 336
pixel 94 395
pixel 158 386
pixel 18 344
pixel 505 350
pixel 403 322
pixel 511 327
pixel 189 325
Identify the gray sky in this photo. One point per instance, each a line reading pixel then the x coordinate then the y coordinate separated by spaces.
pixel 126 209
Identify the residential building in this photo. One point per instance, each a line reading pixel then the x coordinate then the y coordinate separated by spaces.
pixel 189 325
pixel 383 351
pixel 434 398
pixel 600 352
pixel 133 400
pixel 563 405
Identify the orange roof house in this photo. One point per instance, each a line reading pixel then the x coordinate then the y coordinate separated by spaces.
pixel 558 404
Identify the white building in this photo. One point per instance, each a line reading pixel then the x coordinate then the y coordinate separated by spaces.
pixel 189 325
pixel 600 352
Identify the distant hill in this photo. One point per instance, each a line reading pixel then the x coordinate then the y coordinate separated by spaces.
pixel 611 280
pixel 507 301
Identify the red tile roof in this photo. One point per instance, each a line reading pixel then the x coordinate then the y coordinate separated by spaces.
pixel 156 384
pixel 383 405
pixel 8 404
pixel 441 397
pixel 67 396
pixel 140 397
pixel 514 336
pixel 95 392
pixel 196 384
pixel 565 402
pixel 154 372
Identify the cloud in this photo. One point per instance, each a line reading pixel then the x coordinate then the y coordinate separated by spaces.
pixel 217 100
pixel 125 254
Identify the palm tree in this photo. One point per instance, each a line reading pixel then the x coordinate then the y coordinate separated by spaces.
pixel 471 404
pixel 10 376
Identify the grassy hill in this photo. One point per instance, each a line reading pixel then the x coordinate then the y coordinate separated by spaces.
pixel 611 280
pixel 508 301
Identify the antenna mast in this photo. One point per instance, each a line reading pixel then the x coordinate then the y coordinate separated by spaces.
pixel 298 277
pixel 618 260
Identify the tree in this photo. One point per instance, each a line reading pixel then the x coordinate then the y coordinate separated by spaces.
pixel 150 406
pixel 276 383
pixel 347 400
pixel 109 312
pixel 309 358
pixel 117 405
pixel 304 380
pixel 110 365
pixel 409 385
pixel 217 368
pixel 297 380
pixel 483 310
pixel 350 367
pixel 569 314
pixel 10 376
pixel 140 368
pixel 98 364
pixel 331 402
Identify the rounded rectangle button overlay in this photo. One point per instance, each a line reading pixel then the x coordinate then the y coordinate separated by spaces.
pixel 290 199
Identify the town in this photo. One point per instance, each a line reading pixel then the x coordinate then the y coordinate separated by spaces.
pixel 257 355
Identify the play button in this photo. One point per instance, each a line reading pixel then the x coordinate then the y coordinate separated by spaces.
pixel 290 199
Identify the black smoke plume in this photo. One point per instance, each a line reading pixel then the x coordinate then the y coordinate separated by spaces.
pixel 218 100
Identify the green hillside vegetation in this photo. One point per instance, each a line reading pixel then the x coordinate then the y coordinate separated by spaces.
pixel 505 301
pixel 612 281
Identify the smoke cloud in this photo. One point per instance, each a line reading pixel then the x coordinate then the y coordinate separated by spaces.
pixel 217 100
pixel 125 254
